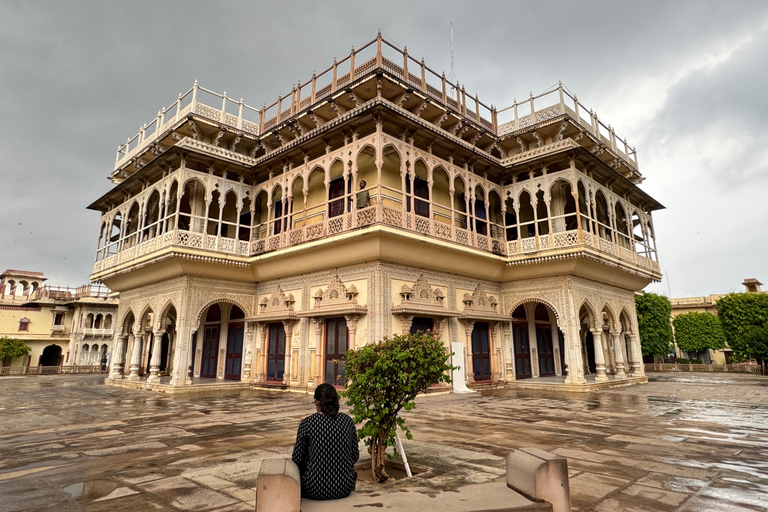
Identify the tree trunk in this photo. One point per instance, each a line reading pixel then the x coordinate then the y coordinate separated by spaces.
pixel 378 458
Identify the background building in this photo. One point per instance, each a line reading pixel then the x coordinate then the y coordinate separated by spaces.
pixel 706 304
pixel 259 245
pixel 63 326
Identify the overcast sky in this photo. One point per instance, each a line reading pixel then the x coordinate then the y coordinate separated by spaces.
pixel 684 81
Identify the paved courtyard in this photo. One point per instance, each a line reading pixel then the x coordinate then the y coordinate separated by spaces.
pixel 687 442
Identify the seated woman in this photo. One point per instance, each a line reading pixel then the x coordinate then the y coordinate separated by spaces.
pixel 326 449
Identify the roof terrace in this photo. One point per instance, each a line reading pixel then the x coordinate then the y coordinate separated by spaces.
pixel 378 56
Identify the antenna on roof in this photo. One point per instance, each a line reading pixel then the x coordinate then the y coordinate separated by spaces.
pixel 452 76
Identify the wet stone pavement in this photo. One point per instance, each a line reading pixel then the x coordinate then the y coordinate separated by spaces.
pixel 686 442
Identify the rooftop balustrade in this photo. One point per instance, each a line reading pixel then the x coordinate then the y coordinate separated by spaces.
pixel 378 55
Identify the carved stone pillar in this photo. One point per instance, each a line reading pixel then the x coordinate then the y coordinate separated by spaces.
pixel 507 344
pixel 469 326
pixel 635 355
pixel 618 350
pixel 351 330
pixel 138 338
pixel 597 339
pixel 610 356
pixel 261 365
pixel 247 352
pixel 119 357
pixel 405 323
pixel 155 356
pixel 584 353
pixel 319 350
pixel 288 327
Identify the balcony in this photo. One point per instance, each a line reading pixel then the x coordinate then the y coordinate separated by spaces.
pixel 96 333
pixel 516 251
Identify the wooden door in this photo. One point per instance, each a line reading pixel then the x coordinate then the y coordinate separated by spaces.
pixel 335 197
pixel 234 356
pixel 210 352
pixel 335 351
pixel 481 352
pixel 276 353
pixel 546 353
pixel 522 350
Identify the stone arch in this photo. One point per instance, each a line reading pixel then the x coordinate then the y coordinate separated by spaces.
pixel 126 321
pixel 612 317
pixel 625 320
pixel 144 312
pixel 511 309
pixel 591 310
pixel 167 305
pixel 226 300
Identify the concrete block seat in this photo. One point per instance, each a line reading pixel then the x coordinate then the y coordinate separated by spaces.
pixel 536 481
pixel 488 497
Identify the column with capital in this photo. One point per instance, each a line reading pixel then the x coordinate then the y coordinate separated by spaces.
pixel 635 357
pixel 469 370
pixel 260 370
pixel 138 339
pixel 118 363
pixel 319 349
pixel 288 328
pixel 597 339
pixel 155 356
pixel 618 350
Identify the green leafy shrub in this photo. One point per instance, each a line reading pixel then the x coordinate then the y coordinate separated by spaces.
pixel 740 314
pixel 12 347
pixel 698 332
pixel 682 360
pixel 384 378
pixel 653 312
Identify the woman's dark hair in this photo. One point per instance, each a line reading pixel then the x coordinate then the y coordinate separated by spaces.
pixel 327 399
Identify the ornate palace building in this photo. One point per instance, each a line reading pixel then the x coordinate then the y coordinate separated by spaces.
pixel 258 245
pixel 69 330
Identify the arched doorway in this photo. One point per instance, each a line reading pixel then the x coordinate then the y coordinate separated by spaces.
pixel 521 344
pixel 51 356
pixel 481 352
pixel 234 354
pixel 335 351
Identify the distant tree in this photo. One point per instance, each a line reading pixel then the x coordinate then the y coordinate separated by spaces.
pixel 698 332
pixel 756 342
pixel 12 347
pixel 384 378
pixel 653 313
pixel 740 314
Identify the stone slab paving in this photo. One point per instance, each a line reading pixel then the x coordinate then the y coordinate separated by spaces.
pixel 686 442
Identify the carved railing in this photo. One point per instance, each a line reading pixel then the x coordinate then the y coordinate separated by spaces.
pixel 231 112
pixel 521 249
pixel 98 332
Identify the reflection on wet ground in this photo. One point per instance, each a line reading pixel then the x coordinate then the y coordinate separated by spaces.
pixel 687 442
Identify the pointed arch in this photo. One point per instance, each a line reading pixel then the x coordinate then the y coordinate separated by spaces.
pixel 591 312
pixel 226 300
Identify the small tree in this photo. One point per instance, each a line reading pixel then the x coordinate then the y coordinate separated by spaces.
pixel 698 332
pixel 756 343
pixel 12 347
pixel 739 314
pixel 384 378
pixel 653 312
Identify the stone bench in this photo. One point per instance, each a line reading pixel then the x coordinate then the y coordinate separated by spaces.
pixel 540 476
pixel 278 488
pixel 536 481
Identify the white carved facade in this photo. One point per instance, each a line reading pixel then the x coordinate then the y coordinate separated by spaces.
pixel 373 201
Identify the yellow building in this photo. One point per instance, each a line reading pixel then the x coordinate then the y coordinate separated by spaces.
pixel 259 245
pixel 64 327
pixel 706 304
